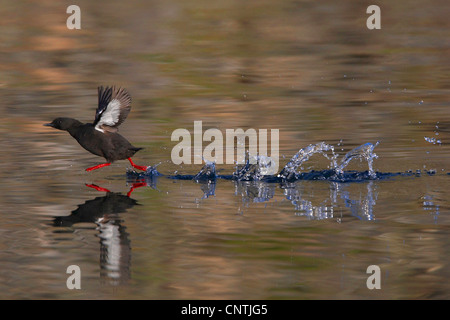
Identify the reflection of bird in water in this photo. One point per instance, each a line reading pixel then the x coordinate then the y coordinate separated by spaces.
pixel 115 249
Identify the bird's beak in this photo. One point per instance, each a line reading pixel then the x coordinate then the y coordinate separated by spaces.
pixel 48 124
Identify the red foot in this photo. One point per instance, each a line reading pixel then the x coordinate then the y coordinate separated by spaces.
pixel 97 187
pixel 135 186
pixel 143 168
pixel 98 166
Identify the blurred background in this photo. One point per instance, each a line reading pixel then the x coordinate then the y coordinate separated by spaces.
pixel 311 69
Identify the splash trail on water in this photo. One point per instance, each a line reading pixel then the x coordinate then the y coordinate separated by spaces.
pixel 289 172
pixel 364 151
pixel 256 169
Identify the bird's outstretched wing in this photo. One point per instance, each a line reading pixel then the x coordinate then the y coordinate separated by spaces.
pixel 114 104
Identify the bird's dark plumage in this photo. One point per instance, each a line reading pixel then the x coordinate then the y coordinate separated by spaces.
pixel 101 137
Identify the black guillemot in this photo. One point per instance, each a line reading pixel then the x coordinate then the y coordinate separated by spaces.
pixel 101 137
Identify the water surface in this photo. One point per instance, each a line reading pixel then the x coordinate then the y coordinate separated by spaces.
pixel 310 69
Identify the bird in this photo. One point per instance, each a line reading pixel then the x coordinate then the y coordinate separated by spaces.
pixel 101 137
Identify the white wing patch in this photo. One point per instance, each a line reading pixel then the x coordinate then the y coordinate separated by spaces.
pixel 110 116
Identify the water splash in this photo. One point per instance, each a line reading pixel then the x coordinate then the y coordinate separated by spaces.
pixel 257 169
pixel 433 140
pixel 364 151
pixel 207 173
pixel 266 165
pixel 289 171
pixel 149 177
pixel 152 171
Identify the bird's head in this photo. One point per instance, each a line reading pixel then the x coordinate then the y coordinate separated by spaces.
pixel 63 123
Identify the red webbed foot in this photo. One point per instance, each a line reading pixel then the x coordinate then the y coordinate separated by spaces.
pixel 96 187
pixel 98 166
pixel 143 168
